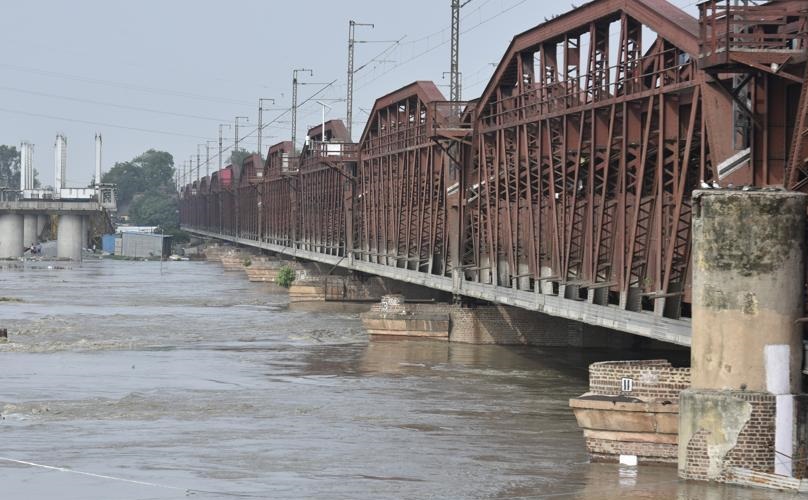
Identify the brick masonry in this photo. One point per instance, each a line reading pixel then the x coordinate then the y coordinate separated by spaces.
pixel 645 425
pixel 607 450
pixel 653 379
pixel 753 449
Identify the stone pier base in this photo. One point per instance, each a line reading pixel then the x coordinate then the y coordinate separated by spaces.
pixel 639 417
pixel 484 324
pixel 312 283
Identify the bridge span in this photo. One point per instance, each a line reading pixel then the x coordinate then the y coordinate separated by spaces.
pixel 566 186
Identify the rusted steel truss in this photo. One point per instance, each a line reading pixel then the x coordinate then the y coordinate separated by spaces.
pixel 573 172
pixel 400 205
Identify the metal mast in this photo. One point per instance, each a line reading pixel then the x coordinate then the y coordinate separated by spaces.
pixel 351 43
pixel 294 105
pixel 261 121
pixel 207 161
pixel 454 65
pixel 198 162
pixel 235 142
pixel 220 142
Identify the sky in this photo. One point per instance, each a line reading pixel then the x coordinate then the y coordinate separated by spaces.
pixel 164 74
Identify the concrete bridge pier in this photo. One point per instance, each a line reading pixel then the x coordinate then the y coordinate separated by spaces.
pixel 85 227
pixel 69 237
pixel 41 222
pixel 11 236
pixel 743 420
pixel 29 232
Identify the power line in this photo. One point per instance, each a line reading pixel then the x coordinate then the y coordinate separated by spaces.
pixel 110 104
pixel 220 156
pixel 432 49
pixel 127 86
pixel 103 124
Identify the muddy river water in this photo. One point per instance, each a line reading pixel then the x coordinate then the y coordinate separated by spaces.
pixel 125 381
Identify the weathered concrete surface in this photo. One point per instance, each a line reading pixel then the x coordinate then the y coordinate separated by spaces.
pixel 11 236
pixel 41 222
pixel 642 420
pixel 613 428
pixel 68 237
pixel 719 416
pixel 747 287
pixel 29 233
pixel 53 207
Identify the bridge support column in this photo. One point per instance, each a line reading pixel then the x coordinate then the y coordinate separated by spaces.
pixel 85 227
pixel 29 234
pixel 11 236
pixel 69 239
pixel 41 222
pixel 743 417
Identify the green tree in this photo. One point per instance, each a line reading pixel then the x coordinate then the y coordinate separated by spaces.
pixel 238 156
pixel 155 209
pixel 9 167
pixel 158 169
pixel 150 171
pixel 128 179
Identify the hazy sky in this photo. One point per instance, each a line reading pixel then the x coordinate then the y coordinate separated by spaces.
pixel 163 74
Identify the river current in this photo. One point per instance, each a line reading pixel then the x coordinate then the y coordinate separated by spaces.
pixel 141 380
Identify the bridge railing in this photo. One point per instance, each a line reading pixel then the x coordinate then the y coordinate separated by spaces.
pixel 448 115
pixel 749 26
pixel 318 152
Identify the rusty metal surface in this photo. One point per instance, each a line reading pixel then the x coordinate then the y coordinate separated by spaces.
pixel 570 176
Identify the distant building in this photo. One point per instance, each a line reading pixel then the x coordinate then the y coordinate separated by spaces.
pixel 137 229
pixel 144 245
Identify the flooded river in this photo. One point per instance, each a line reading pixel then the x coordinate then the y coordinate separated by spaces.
pixel 125 381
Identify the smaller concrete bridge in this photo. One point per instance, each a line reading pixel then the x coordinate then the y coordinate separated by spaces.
pixel 22 223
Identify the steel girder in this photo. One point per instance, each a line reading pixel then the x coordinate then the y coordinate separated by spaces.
pixel 570 176
pixel 583 166
pixel 400 205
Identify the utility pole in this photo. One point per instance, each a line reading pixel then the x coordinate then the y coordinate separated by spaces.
pixel 191 169
pixel 220 142
pixel 454 65
pixel 207 161
pixel 294 105
pixel 351 42
pixel 261 121
pixel 235 143
pixel 198 162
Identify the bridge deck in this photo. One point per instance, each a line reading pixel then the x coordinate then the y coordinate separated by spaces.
pixel 638 323
pixel 49 206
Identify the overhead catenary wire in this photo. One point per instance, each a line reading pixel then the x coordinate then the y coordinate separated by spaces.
pixel 274 120
pixel 439 45
pixel 103 124
pixel 110 104
pixel 126 86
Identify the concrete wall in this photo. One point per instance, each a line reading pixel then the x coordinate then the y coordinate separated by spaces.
pixel 68 237
pixel 11 236
pixel 747 289
pixel 29 229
